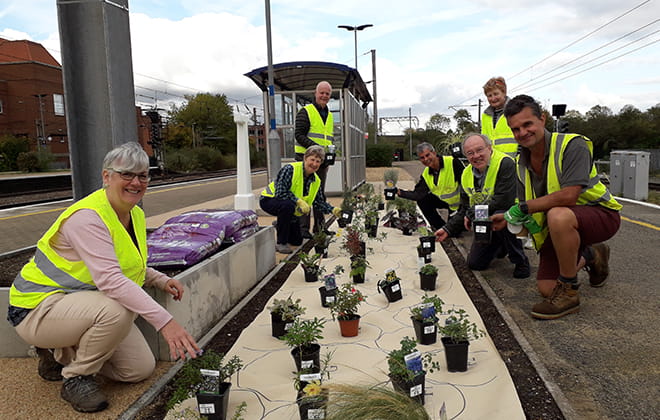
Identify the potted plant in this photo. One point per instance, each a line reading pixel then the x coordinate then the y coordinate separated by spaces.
pixel 302 336
pixel 372 402
pixel 391 286
pixel 424 317
pixel 311 264
pixel 457 333
pixel 206 377
pixel 427 238
pixel 359 265
pixel 371 223
pixel 345 307
pixel 354 242
pixel 312 395
pixel 328 291
pixel 428 274
pixel 282 313
pixel 407 369
pixel 346 206
pixel 390 178
pixel 322 242
pixel 424 254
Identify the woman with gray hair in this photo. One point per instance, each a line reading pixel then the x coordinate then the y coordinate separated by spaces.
pixel 296 189
pixel 77 299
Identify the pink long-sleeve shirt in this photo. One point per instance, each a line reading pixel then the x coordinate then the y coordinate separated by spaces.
pixel 84 236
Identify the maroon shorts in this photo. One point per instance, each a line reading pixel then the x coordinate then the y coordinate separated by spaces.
pixel 595 224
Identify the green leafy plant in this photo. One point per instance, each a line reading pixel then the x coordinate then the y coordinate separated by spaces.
pixel 458 327
pixel 322 239
pixel 347 301
pixel 428 270
pixel 310 262
pixel 287 309
pixel 304 332
pixel 425 231
pixel 359 265
pixel 390 177
pixel 189 380
pixel 396 362
pixel 417 312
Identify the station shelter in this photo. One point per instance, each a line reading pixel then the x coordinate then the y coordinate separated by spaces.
pixel 294 85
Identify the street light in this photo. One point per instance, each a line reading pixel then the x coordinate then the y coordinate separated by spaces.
pixel 355 29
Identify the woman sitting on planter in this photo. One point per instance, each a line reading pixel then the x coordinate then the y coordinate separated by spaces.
pixel 82 291
pixel 294 192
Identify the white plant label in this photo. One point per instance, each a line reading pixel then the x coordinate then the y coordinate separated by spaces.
pixel 315 413
pixel 426 245
pixel 287 326
pixel 430 329
pixel 396 287
pixel 480 229
pixel 416 390
pixel 206 408
pixel 306 364
pixel 310 377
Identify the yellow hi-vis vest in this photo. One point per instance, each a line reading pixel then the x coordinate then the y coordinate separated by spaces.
pixel 447 187
pixel 48 273
pixel 467 177
pixel 595 193
pixel 297 181
pixel 501 135
pixel 319 133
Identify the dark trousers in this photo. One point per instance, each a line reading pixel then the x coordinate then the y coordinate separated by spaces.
pixel 429 205
pixel 288 226
pixel 481 255
pixel 319 218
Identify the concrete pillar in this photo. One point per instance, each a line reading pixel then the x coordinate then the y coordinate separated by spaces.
pixel 244 198
pixel 98 84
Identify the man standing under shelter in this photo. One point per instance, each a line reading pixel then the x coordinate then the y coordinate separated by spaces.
pixel 562 198
pixel 489 179
pixel 315 126
pixel 437 187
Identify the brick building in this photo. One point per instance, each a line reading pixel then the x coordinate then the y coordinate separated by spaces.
pixel 32 100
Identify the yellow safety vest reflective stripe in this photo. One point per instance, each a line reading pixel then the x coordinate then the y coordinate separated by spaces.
pixel 467 177
pixel 319 132
pixel 48 273
pixel 595 193
pixel 500 136
pixel 297 181
pixel 447 187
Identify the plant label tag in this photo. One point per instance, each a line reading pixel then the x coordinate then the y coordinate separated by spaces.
pixel 429 329
pixel 310 377
pixel 287 326
pixel 329 299
pixel 426 245
pixel 306 364
pixel 315 413
pixel 480 229
pixel 396 287
pixel 390 274
pixel 210 380
pixel 345 215
pixel 481 212
pixel 206 408
pixel 416 390
pixel 420 262
pixel 413 361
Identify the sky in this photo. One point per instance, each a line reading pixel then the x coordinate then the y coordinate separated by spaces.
pixel 431 56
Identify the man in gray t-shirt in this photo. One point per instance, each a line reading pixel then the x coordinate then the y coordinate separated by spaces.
pixel 563 205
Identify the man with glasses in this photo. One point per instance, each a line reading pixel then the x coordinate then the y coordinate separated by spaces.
pixel 489 179
pixel 437 187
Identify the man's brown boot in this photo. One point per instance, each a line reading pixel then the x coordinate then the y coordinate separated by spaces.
pixel 564 300
pixel 84 394
pixel 598 267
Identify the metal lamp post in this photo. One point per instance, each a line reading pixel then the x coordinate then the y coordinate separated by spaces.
pixel 355 30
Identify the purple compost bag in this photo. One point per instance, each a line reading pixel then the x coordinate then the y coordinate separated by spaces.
pixel 244 233
pixel 190 237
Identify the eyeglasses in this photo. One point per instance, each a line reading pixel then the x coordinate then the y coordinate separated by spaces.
pixel 128 176
pixel 479 151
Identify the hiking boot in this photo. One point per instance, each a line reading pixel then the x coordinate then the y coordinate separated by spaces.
pixel 521 271
pixel 598 267
pixel 564 300
pixel 49 368
pixel 283 249
pixel 84 394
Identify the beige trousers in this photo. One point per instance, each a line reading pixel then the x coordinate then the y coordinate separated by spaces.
pixel 91 334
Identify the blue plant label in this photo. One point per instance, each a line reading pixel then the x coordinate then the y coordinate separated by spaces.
pixel 428 310
pixel 330 282
pixel 413 361
pixel 210 380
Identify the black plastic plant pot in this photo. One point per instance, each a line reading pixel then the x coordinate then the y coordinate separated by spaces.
pixel 427 258
pixel 381 206
pixel 456 354
pixel 312 408
pixel 482 231
pixel 330 158
pixel 341 222
pixel 427 281
pixel 426 332
pixel 427 242
pixel 358 278
pixel 421 252
pixel 308 357
pixel 390 193
pixel 346 216
pixel 311 275
pixel 372 229
pixel 414 388
pixel 279 327
pixel 214 406
pixel 327 296
pixel 391 290
pixel 406 231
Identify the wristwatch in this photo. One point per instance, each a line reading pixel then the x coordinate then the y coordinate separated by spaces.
pixel 523 207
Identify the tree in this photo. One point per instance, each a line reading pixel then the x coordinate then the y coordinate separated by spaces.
pixel 438 122
pixel 211 118
pixel 464 122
